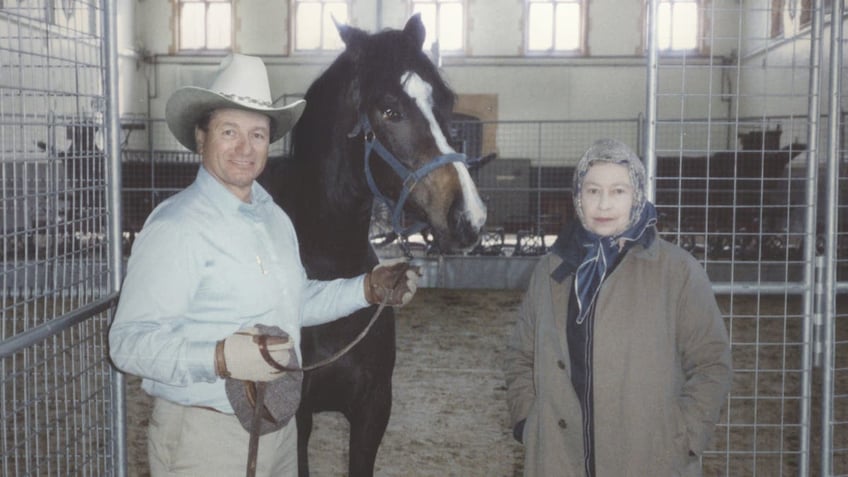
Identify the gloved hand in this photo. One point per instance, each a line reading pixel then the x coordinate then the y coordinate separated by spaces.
pixel 396 280
pixel 247 355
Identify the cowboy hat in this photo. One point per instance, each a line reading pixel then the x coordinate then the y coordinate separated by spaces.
pixel 241 83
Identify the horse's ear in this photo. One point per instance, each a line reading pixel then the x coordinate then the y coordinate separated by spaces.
pixel 348 34
pixel 415 30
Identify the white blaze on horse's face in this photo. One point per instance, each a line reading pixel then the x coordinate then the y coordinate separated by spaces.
pixel 422 93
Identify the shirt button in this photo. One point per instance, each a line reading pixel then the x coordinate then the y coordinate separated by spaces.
pixel 561 364
pixel 562 424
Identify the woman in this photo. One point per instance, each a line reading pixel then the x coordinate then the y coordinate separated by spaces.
pixel 619 362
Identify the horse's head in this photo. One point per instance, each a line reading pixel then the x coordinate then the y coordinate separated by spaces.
pixel 400 108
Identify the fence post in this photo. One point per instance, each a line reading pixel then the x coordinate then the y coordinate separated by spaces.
pixel 650 130
pixel 832 201
pixel 113 151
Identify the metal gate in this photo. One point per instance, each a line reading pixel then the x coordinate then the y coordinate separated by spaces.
pixel 745 145
pixel 59 397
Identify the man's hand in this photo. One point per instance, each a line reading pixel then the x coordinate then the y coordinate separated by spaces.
pixel 249 356
pixel 393 281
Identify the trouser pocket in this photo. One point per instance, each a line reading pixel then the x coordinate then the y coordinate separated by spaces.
pixel 163 435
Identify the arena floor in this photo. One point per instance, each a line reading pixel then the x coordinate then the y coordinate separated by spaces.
pixel 449 416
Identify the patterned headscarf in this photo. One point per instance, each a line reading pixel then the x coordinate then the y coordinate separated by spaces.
pixel 600 253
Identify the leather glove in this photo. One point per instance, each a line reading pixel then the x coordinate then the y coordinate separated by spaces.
pixel 247 355
pixel 395 279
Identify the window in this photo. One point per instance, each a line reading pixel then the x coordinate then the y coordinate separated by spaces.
pixel 444 21
pixel 314 28
pixel 205 24
pixel 808 9
pixel 678 27
pixel 776 18
pixel 806 12
pixel 555 26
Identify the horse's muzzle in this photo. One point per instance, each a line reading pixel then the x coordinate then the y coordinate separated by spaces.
pixel 463 233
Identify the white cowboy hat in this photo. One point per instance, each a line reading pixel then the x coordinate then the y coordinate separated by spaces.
pixel 241 83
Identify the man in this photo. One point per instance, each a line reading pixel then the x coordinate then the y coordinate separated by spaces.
pixel 215 292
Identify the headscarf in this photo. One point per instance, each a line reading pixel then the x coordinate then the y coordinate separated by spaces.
pixel 601 253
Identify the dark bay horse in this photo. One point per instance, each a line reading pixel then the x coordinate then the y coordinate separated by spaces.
pixel 381 97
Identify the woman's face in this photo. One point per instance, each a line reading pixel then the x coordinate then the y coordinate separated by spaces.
pixel 606 198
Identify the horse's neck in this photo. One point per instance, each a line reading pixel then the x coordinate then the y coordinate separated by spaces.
pixel 334 245
pixel 332 215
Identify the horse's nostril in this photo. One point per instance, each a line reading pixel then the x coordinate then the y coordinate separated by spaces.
pixel 467 234
pixel 464 232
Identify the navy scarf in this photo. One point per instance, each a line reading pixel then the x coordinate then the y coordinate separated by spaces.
pixel 599 255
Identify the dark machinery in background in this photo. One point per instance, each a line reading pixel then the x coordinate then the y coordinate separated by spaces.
pixel 745 204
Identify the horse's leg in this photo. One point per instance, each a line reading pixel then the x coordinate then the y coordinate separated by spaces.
pixel 368 423
pixel 304 430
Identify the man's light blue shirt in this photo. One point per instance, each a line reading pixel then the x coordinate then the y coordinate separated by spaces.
pixel 204 266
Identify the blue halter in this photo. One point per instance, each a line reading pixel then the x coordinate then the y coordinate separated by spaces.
pixel 409 177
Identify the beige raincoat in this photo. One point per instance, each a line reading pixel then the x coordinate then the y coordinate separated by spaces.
pixel 661 369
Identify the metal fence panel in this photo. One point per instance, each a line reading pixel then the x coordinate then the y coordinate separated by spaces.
pixel 737 188
pixel 56 395
pixel 834 323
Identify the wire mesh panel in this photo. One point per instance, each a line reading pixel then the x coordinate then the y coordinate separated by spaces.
pixel 736 126
pixel 527 188
pixel 839 393
pixel 56 399
pixel 761 429
pixel 150 176
pixel 836 362
pixel 56 396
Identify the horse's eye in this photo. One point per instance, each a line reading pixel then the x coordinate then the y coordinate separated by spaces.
pixel 392 115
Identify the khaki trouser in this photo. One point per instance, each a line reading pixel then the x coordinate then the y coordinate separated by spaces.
pixel 191 441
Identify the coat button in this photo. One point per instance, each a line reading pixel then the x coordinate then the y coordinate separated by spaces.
pixel 561 364
pixel 562 424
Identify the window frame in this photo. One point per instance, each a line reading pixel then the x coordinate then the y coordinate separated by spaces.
pixel 701 48
pixel 807 10
pixel 463 34
pixel 776 24
pixel 322 49
pixel 178 40
pixel 581 50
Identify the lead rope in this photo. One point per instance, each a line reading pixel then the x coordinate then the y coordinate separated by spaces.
pixel 255 428
pixel 256 423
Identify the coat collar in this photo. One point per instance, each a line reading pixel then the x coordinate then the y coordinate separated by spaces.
pixel 568 248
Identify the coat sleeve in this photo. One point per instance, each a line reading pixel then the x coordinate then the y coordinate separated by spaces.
pixel 705 357
pixel 521 349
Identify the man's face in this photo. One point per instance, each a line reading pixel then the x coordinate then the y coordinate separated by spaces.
pixel 235 148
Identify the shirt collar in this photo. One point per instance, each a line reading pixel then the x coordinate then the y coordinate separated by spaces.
pixel 224 200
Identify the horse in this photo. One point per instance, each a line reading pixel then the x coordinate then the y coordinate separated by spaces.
pixel 375 126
